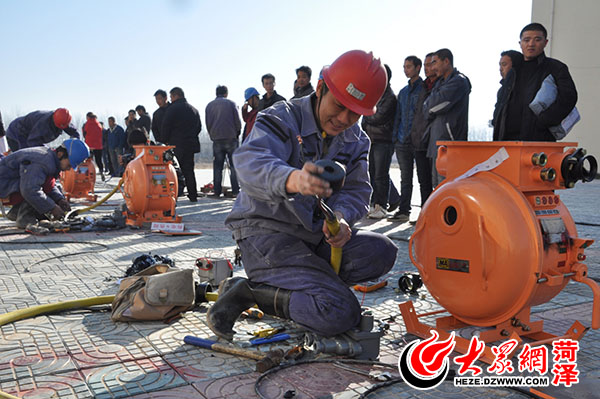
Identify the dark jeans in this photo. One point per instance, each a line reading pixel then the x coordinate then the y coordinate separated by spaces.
pixel 436 178
pixel 380 158
pixel 407 156
pixel 424 174
pixel 107 161
pixel 320 300
pixel 113 154
pixel 185 158
pixel 98 157
pixel 222 149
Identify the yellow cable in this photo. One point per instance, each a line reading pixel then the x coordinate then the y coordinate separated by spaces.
pixel 5 395
pixel 114 190
pixel 53 307
pixel 336 253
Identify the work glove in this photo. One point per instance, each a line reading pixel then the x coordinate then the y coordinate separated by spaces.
pixel 64 205
pixel 57 212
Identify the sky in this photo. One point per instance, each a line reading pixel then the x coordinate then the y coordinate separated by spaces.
pixel 109 56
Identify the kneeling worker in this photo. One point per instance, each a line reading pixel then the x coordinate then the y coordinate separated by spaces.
pixel 27 180
pixel 276 221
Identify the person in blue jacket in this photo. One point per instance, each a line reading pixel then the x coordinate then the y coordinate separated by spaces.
pixel 38 128
pixel 27 180
pixel 276 221
pixel 446 108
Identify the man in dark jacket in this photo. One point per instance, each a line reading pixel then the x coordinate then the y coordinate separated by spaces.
pixel 518 122
pixel 271 96
pixel 2 132
pixel 405 152
pixel 224 127
pixel 303 86
pixel 418 129
pixel 116 144
pixel 510 64
pixel 181 127
pixel 447 107
pixel 380 129
pixel 38 128
pixel 3 143
pixel 28 180
pixel 144 120
pixel 157 117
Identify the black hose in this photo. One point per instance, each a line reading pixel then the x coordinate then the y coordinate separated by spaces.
pixel 313 361
pixel 374 387
pixel 28 269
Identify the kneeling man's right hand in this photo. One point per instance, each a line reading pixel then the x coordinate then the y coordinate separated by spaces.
pixel 305 181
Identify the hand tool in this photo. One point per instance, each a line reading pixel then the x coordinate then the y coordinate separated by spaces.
pixel 266 360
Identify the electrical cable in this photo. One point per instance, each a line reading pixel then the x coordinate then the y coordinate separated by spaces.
pixel 370 389
pixel 588 224
pixel 76 212
pixel 313 361
pixel 28 269
pixel 380 385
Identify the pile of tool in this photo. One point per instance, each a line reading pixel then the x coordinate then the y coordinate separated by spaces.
pixel 114 221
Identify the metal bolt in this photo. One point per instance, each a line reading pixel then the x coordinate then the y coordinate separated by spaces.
pixel 504 333
pixel 580 257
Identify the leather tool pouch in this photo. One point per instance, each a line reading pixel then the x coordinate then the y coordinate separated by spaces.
pixel 157 293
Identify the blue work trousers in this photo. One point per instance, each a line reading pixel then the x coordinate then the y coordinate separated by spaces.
pixel 380 159
pixel 320 300
pixel 407 156
pixel 222 149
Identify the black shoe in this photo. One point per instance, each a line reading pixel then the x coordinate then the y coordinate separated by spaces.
pixel 393 206
pixel 238 294
pixel 399 217
pixel 193 199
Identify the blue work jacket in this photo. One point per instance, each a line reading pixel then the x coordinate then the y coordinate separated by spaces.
pixel 283 138
pixel 37 128
pixel 25 171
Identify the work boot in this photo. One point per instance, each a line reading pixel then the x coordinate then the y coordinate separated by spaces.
pixel 13 213
pixel 238 294
pixel 27 215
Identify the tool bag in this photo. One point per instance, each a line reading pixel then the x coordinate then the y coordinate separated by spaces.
pixel 156 293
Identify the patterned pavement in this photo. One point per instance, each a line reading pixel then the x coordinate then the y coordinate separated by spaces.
pixel 83 354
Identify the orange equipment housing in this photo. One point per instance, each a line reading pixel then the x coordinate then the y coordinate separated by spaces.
pixel 150 186
pixel 79 182
pixel 490 246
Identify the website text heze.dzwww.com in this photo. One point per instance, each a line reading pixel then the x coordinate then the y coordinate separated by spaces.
pixel 494 381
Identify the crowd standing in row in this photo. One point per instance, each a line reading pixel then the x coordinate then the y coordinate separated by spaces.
pixel 408 124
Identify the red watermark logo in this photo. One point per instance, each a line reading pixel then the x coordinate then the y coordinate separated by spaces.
pixel 425 364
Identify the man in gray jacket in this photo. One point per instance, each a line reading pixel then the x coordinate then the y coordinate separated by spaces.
pixel 224 127
pixel 447 107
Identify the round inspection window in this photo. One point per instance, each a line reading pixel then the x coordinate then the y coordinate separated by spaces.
pixel 450 215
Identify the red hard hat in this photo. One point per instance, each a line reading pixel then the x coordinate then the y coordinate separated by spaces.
pixel 62 118
pixel 357 80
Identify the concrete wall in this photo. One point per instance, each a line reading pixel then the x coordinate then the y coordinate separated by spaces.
pixel 573 32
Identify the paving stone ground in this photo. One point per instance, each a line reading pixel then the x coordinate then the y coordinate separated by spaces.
pixel 83 354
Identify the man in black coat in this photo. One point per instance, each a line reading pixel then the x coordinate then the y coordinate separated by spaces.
pixel 519 122
pixel 181 127
pixel 157 118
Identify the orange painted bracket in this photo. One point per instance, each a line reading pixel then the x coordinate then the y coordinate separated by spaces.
pixel 422 330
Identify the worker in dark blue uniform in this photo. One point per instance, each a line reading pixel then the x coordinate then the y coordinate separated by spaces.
pixel 27 180
pixel 284 240
pixel 38 128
